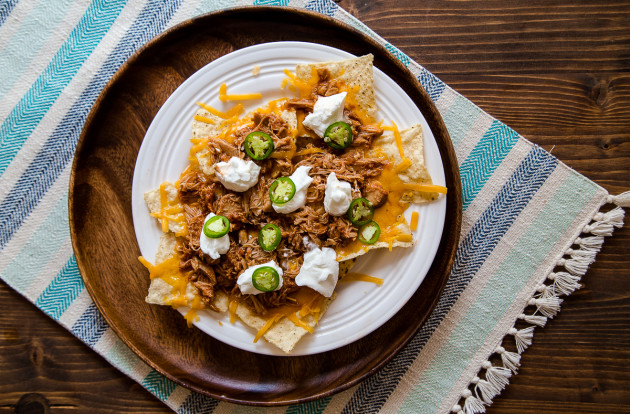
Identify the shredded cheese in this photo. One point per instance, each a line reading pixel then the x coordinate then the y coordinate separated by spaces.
pixel 169 272
pixel 407 238
pixel 256 70
pixel 414 221
pixel 397 137
pixel 232 310
pixel 299 322
pixel 191 316
pixel 270 322
pixel 224 97
pixel 169 212
pixel 235 110
pixel 204 119
pixel 308 151
pixel 199 144
pixel 361 277
pixel 425 188
pixel 163 203
pixel 285 154
pixel 406 163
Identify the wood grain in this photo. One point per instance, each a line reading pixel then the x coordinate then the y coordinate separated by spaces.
pixel 102 227
pixel 558 73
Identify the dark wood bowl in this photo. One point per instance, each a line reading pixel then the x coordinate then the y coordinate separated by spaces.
pixel 103 235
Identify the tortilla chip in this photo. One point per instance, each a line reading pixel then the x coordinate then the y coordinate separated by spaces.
pixel 413 148
pixel 152 199
pixel 357 73
pixel 404 230
pixel 202 129
pixel 160 292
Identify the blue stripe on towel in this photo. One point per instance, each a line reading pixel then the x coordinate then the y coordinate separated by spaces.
pixel 473 251
pixel 59 149
pixel 62 291
pixel 6 7
pixel 34 105
pixel 431 84
pixel 322 6
pixel 90 326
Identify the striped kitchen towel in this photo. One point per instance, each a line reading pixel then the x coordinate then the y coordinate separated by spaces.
pixel 531 225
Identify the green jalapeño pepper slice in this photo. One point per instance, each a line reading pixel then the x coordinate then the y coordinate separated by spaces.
pixel 338 135
pixel 265 279
pixel 216 226
pixel 360 211
pixel 258 145
pixel 368 233
pixel 282 190
pixel 269 237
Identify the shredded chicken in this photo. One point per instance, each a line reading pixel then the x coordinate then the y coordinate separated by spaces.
pixel 250 210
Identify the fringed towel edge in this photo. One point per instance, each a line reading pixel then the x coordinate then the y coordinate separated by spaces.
pixel 492 378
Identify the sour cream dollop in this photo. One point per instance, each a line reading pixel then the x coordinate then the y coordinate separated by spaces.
pixel 319 271
pixel 301 180
pixel 326 111
pixel 338 196
pixel 213 247
pixel 237 174
pixel 245 283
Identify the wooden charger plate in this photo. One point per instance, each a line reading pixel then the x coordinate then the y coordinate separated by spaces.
pixel 103 235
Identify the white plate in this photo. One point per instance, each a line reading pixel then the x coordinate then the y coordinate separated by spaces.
pixel 360 307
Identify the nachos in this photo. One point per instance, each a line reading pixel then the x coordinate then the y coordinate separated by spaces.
pixel 276 204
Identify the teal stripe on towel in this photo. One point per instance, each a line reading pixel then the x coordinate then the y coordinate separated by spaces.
pixel 484 159
pixel 158 384
pixel 34 105
pixel 62 291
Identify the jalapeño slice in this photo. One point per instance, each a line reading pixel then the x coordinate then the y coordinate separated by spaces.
pixel 258 145
pixel 368 233
pixel 360 211
pixel 269 237
pixel 265 279
pixel 216 226
pixel 282 190
pixel 338 135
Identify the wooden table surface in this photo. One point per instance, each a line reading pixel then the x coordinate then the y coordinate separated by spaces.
pixel 558 72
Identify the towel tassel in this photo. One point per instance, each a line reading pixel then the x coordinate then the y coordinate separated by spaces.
pixel 511 360
pixel 523 337
pixel 538 320
pixel 564 283
pixel 472 404
pixel 576 266
pixel 593 243
pixel 582 254
pixel 621 200
pixel 546 291
pixel 549 306
pixel 499 376
pixel 604 223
